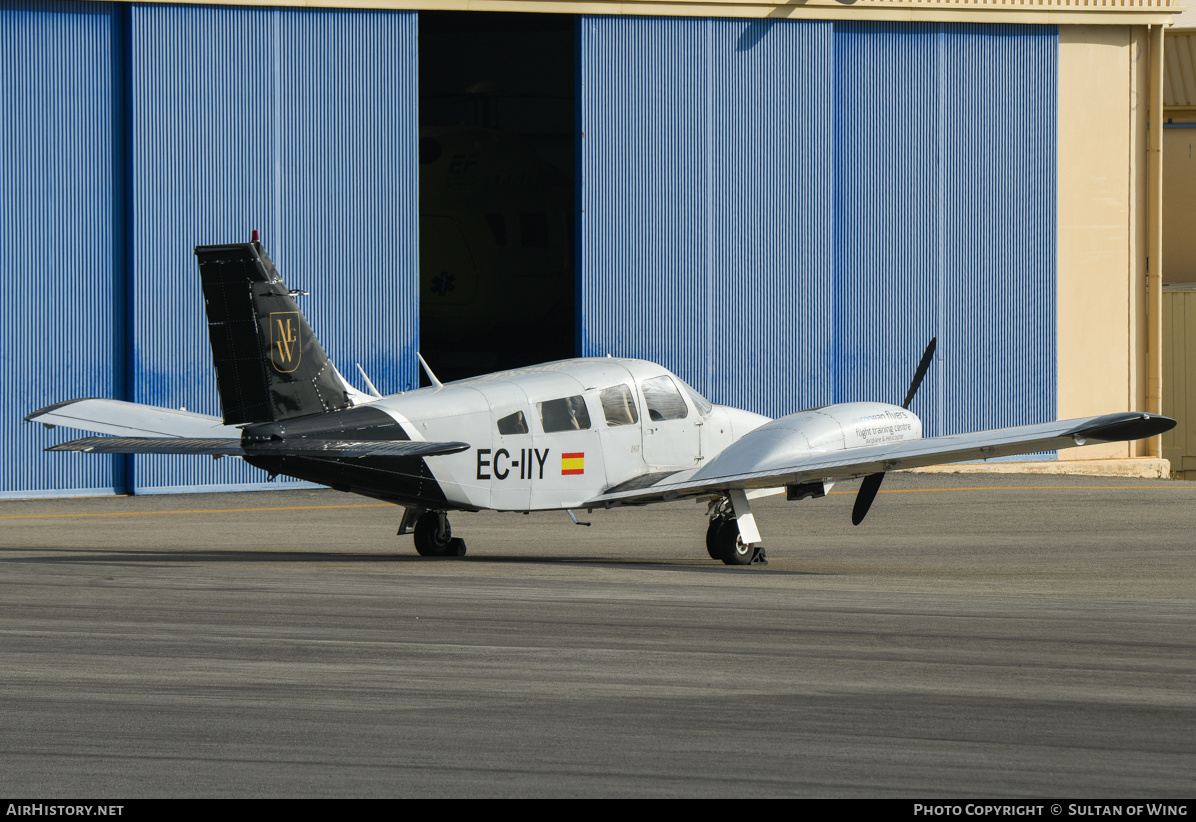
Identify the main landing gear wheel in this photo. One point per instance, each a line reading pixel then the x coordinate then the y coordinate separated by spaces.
pixel 434 536
pixel 724 542
pixel 712 538
pixel 731 548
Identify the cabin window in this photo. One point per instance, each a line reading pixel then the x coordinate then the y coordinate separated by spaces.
pixel 618 406
pixel 663 399
pixel 566 414
pixel 513 424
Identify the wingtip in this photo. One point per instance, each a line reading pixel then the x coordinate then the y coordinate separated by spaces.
pixel 1134 425
pixel 33 415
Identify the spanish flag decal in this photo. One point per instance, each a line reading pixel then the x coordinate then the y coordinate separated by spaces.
pixel 574 463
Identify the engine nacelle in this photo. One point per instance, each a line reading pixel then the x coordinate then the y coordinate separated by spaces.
pixel 783 441
pixel 856 424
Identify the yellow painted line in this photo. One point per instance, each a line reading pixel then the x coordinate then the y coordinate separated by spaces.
pixel 198 511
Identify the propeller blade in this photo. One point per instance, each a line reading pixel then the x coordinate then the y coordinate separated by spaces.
pixel 863 500
pixel 920 374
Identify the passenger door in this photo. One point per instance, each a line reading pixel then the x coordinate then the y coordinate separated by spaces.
pixel 619 433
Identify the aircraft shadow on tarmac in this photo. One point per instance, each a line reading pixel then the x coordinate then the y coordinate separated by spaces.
pixel 71 556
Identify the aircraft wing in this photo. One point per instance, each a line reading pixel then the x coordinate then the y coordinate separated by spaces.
pixel 305 447
pixel 741 468
pixel 130 419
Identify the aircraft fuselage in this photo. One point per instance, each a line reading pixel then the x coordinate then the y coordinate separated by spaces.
pixel 556 435
pixel 543 437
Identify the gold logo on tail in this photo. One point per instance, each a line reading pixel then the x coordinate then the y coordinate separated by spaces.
pixel 286 347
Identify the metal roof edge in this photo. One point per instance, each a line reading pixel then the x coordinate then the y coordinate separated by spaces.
pixel 1059 12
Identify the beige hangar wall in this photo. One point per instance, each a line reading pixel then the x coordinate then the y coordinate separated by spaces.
pixel 1102 225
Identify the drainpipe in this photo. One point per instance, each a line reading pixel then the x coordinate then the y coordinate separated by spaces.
pixel 1154 239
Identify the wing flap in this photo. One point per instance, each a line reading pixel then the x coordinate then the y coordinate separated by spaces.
pixel 349 449
pixel 857 462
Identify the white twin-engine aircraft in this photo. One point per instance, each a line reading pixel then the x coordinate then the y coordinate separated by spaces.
pixel 583 433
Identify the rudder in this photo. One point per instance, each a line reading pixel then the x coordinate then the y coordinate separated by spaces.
pixel 269 364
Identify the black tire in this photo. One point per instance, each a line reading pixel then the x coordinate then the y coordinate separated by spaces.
pixel 712 539
pixel 429 540
pixel 731 549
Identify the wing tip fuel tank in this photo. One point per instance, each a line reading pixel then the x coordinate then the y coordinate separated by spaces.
pixel 1124 426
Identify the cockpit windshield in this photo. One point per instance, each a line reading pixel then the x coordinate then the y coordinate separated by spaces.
pixel 701 403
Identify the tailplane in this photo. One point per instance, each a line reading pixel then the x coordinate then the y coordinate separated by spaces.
pixel 269 364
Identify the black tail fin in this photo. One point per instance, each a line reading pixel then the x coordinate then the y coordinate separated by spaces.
pixel 269 364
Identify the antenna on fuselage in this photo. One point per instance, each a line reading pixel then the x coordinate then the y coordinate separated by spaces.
pixel 435 382
pixel 373 391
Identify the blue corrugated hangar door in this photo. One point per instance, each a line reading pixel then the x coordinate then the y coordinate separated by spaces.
pixel 999 226
pixel 303 125
pixel 59 299
pixel 705 233
pixel 786 212
pixel 945 169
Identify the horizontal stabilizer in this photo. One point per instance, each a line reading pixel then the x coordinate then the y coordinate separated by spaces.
pixel 130 419
pixel 277 448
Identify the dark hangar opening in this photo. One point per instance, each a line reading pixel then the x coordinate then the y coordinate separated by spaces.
pixel 496 190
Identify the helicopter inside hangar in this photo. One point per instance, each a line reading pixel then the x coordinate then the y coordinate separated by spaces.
pixel 497 213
